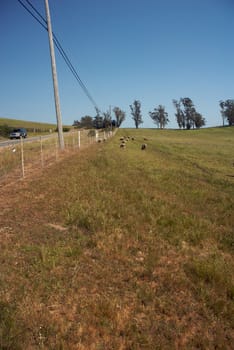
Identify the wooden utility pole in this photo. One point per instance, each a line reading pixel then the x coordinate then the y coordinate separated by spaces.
pixel 55 80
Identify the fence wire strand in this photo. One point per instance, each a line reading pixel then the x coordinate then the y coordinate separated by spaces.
pixel 19 160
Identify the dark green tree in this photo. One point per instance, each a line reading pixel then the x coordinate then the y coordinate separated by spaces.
pixel 86 122
pixel 159 116
pixel 119 116
pixel 186 115
pixel 136 113
pixel 189 112
pixel 98 120
pixel 227 111
pixel 107 122
pixel 199 120
pixel 5 130
pixel 76 123
pixel 180 117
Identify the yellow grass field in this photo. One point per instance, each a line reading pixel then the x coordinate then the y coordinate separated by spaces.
pixel 123 248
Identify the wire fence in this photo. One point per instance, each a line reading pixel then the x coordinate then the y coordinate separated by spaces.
pixel 21 158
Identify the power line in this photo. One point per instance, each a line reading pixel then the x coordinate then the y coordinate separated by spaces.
pixel 37 12
pixel 74 72
pixel 61 51
pixel 54 76
pixel 31 13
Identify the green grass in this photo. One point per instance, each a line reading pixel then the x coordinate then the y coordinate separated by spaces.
pixel 37 154
pixel 31 126
pixel 122 248
pixel 26 124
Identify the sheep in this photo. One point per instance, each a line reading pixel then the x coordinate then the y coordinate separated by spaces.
pixel 143 146
pixel 122 145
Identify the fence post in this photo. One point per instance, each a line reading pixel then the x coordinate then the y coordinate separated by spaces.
pixel 73 138
pixel 22 155
pixel 56 149
pixel 78 138
pixel 42 159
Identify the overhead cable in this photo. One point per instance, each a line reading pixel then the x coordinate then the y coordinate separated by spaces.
pixel 60 49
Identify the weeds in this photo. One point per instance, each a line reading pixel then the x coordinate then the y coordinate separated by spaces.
pixel 214 283
pixel 9 333
pixel 146 257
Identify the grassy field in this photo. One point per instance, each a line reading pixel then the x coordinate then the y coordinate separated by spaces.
pixel 122 248
pixel 15 123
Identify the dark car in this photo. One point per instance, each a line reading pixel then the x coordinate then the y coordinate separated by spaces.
pixel 18 133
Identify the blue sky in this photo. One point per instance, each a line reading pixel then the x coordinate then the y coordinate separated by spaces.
pixel 149 50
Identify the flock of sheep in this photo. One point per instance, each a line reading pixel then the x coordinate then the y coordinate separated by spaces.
pixel 125 139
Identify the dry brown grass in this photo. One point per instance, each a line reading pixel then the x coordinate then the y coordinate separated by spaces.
pixel 121 249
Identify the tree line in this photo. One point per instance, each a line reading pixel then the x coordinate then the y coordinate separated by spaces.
pixel 102 120
pixel 186 115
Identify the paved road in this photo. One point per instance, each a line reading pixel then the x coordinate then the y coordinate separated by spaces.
pixel 28 139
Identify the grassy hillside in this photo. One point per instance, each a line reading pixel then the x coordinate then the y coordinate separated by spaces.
pixel 123 248
pixel 26 124
pixel 32 127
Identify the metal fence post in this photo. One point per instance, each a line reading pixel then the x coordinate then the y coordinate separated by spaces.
pixel 73 138
pixel 79 139
pixel 22 155
pixel 42 159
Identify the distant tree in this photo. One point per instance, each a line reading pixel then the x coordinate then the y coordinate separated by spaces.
pixel 86 122
pixel 199 120
pixel 180 117
pixel 189 112
pixel 98 120
pixel 186 114
pixel 5 130
pixel 227 111
pixel 113 123
pixel 136 113
pixel 119 116
pixel 65 129
pixel 76 124
pixel 159 116
pixel 107 122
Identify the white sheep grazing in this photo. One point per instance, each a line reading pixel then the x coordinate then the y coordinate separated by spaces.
pixel 122 145
pixel 143 146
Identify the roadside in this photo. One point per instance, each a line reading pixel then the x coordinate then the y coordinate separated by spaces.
pixel 105 250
